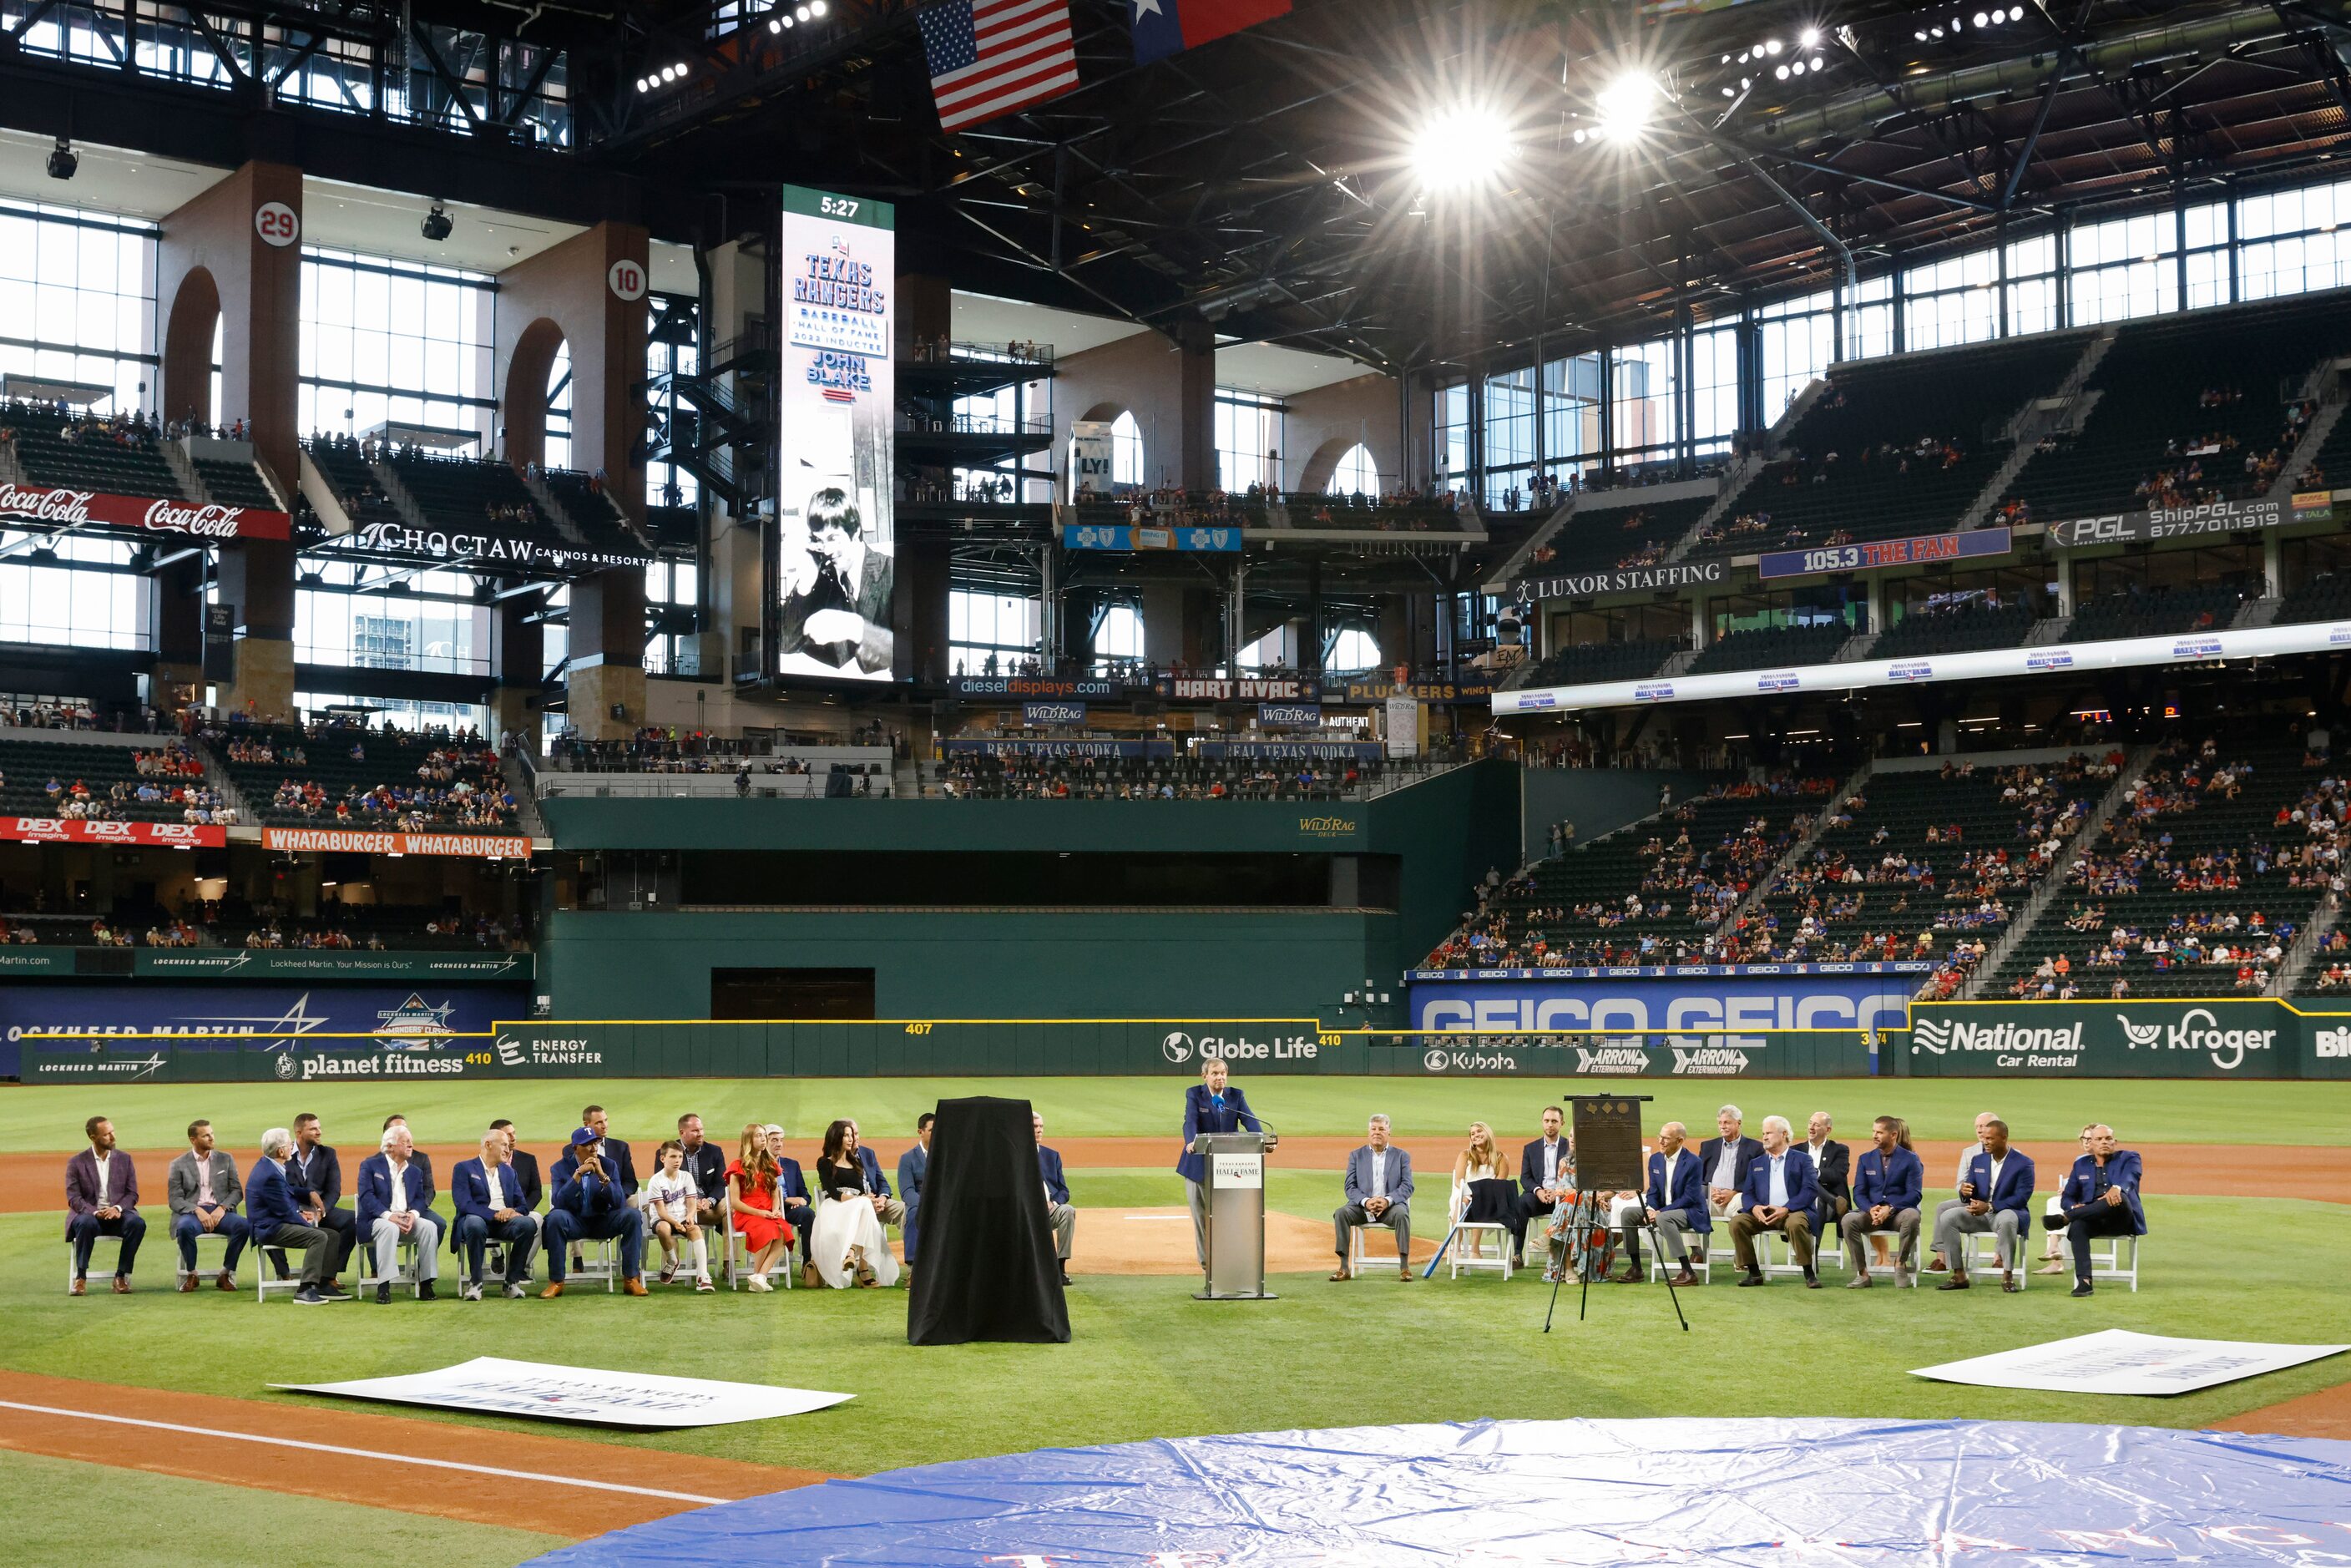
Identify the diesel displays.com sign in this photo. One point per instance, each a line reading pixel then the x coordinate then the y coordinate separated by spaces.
pixel 2252 1038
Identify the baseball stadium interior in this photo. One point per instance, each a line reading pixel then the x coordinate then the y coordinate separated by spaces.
pixel 779 561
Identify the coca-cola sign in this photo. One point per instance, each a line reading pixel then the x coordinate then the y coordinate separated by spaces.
pixel 140 514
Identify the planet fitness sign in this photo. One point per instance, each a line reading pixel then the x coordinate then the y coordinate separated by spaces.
pixel 95 509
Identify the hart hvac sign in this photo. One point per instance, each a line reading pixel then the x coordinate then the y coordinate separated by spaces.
pixel 1207 689
pixel 140 514
pixel 1871 557
pixel 1624 580
pixel 2253 1039
pixel 2166 523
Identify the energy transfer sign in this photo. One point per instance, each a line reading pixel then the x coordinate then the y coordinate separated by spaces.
pixel 2120 1362
pixel 836 569
pixel 503 1387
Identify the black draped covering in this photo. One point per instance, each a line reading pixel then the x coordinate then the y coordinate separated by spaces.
pixel 987 1270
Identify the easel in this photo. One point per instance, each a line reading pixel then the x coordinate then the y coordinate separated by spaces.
pixel 1607 1158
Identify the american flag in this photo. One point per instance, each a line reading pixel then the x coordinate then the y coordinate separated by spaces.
pixel 991 56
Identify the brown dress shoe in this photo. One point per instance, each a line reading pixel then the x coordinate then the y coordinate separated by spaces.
pixel 549 1293
pixel 226 1280
pixel 187 1283
pixel 1405 1274
pixel 1684 1280
pixel 1340 1274
pixel 632 1287
pixel 122 1285
pixel 80 1288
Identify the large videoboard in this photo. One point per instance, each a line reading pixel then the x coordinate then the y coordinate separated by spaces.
pixel 835 568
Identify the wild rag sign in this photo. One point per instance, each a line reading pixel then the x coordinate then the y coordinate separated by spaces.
pixel 73 831
pixel 94 508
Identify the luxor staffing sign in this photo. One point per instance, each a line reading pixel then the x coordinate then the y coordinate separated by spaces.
pixel 836 540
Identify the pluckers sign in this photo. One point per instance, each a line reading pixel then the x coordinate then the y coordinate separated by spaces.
pixel 140 514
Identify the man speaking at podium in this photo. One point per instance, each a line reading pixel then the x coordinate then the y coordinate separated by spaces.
pixel 1209 1106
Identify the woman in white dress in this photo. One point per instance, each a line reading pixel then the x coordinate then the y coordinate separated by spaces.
pixel 847 1243
pixel 1483 1192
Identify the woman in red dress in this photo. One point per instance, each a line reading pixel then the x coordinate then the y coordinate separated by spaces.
pixel 757 1212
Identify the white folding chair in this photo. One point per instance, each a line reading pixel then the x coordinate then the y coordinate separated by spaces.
pixel 1482 1231
pixel 1700 1260
pixel 736 1242
pixel 2115 1258
pixel 262 1282
pixel 600 1259
pixel 404 1265
pixel 1356 1255
pixel 1985 1244
pixel 103 1241
pixel 202 1236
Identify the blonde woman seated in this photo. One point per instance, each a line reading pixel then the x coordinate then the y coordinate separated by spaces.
pixel 757 1206
pixel 1483 1191
pixel 847 1244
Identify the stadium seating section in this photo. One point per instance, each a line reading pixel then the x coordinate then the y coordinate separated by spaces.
pixel 1957 629
pixel 1607 539
pixel 353 480
pixel 2326 597
pixel 99 781
pixel 81 454
pixel 381 783
pixel 2197 861
pixel 2162 613
pixel 1940 855
pixel 1764 647
pixel 2152 386
pixel 234 484
pixel 1651 892
pixel 1892 448
pixel 1590 664
pixel 980 777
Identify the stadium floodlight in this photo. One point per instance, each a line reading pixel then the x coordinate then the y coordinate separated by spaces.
pixel 63 159
pixel 815 8
pixel 1810 37
pixel 436 225
pixel 1461 148
pixel 1625 107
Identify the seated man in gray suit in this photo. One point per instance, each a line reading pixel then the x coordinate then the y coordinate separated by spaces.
pixel 1379 1192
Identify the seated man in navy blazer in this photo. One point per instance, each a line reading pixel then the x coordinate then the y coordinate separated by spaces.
pixel 491 1208
pixel 1673 1203
pixel 589 1205
pixel 395 1198
pixel 524 1164
pixel 1058 1208
pixel 1725 1158
pixel 1545 1168
pixel 914 1170
pixel 793 1191
pixel 1378 1192
pixel 1889 1182
pixel 314 1172
pixel 1995 1197
pixel 2100 1197
pixel 272 1209
pixel 1781 1194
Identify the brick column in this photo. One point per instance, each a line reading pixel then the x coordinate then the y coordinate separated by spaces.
pixel 925 313
pixel 566 296
pixel 1195 343
pixel 212 265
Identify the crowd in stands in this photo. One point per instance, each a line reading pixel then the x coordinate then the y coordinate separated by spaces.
pixel 968 776
pixel 2197 470
pixel 162 785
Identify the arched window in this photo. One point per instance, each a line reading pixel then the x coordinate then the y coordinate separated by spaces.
pixel 1125 450
pixel 1356 474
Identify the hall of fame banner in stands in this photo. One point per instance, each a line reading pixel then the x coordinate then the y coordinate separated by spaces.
pixel 836 540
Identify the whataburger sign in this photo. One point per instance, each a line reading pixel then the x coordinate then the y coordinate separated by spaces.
pixel 140 514
pixel 347 840
pixel 2120 652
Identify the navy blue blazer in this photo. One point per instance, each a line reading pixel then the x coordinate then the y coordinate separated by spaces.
pixel 375 1190
pixel 1750 1151
pixel 914 1168
pixel 469 1187
pixel 2083 1185
pixel 1804 1190
pixel 1898 1180
pixel 588 1195
pixel 1688 1194
pixel 323 1180
pixel 1204 1115
pixel 1530 1163
pixel 874 1180
pixel 2015 1189
pixel 792 1186
pixel 1048 1165
pixel 268 1201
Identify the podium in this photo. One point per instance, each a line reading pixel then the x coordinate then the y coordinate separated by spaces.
pixel 1235 1199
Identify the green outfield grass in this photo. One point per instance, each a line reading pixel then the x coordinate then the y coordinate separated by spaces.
pixel 155 1117
pixel 1147 1361
pixel 58 1511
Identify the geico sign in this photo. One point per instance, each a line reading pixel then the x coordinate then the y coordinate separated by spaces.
pixel 1634 1015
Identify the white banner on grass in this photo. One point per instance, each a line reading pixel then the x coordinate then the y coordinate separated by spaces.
pixel 582 1394
pixel 2120 1362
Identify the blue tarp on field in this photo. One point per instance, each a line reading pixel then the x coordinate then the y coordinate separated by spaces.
pixel 1560 1493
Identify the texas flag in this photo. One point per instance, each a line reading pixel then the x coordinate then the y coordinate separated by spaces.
pixel 1161 27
